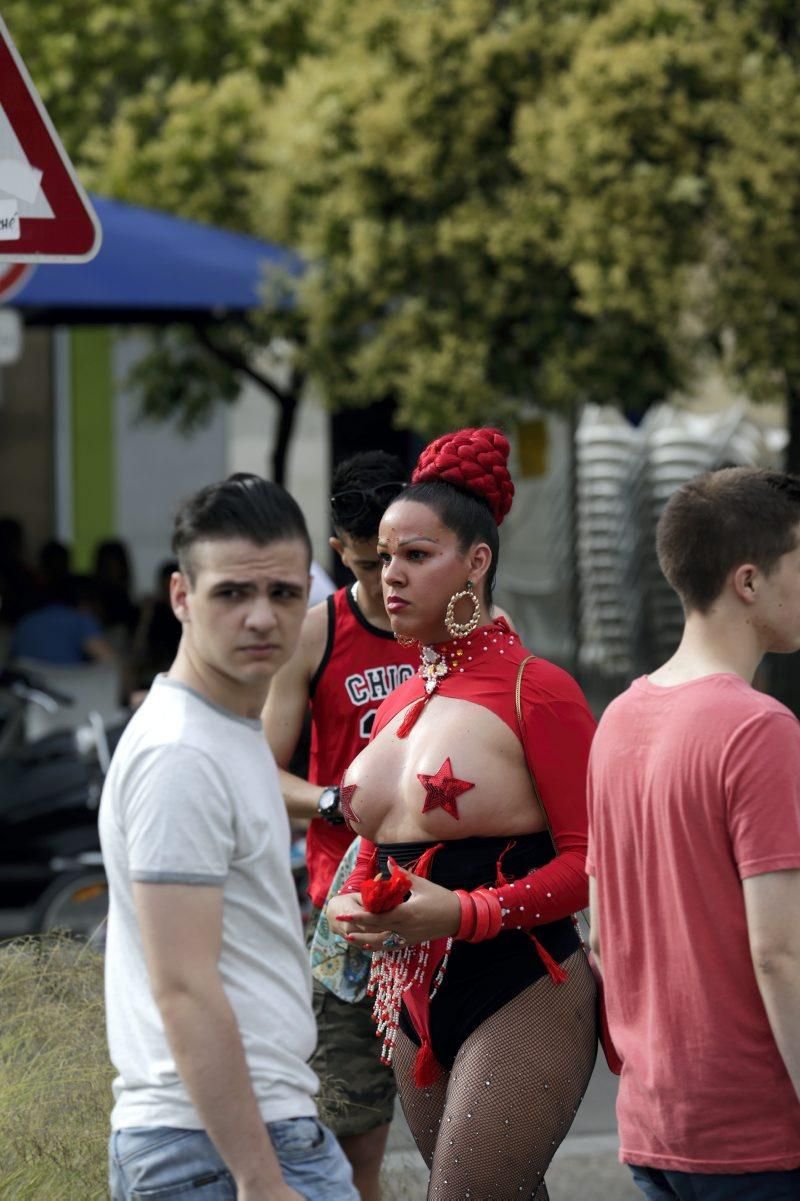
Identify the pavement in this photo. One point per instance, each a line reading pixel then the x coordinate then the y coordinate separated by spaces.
pixel 585 1167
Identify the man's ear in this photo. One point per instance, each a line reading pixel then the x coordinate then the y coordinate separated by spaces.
pixel 336 544
pixel 745 582
pixel 179 589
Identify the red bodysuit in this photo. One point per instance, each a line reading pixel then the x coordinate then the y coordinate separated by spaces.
pixel 556 733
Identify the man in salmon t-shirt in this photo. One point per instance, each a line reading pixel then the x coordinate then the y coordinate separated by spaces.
pixel 694 859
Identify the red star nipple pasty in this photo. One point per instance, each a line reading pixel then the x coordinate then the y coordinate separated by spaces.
pixel 346 803
pixel 443 790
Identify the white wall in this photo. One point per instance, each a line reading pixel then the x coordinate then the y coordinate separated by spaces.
pixel 252 423
pixel 156 468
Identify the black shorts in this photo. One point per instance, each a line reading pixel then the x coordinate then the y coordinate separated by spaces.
pixel 482 977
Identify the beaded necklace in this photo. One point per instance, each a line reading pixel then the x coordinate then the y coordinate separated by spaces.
pixel 446 658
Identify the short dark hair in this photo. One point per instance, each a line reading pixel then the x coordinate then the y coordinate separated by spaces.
pixel 242 506
pixel 721 519
pixel 369 469
pixel 466 514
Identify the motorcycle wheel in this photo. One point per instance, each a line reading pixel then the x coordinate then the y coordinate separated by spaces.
pixel 78 904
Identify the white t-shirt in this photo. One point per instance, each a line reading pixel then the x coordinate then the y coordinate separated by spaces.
pixel 192 797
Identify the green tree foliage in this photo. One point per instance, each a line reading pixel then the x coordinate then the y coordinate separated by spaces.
pixel 499 200
pixel 673 144
pixel 622 144
pixel 159 101
pixel 551 200
pixel 396 155
pixel 757 225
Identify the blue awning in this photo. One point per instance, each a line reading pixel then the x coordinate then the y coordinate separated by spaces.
pixel 154 268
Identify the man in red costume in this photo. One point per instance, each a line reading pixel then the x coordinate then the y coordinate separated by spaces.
pixel 694 850
pixel 347 663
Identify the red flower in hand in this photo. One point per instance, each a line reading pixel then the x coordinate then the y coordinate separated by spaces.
pixel 379 895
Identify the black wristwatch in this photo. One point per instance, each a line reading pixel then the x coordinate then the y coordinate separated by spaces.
pixel 328 806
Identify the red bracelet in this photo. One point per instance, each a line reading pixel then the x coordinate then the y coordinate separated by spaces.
pixel 490 899
pixel 467 924
pixel 482 917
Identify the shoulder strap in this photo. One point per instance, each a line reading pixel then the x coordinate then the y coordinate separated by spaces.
pixel 330 602
pixel 518 702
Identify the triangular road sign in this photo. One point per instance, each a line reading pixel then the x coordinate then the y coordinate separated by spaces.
pixel 45 215
pixel 13 278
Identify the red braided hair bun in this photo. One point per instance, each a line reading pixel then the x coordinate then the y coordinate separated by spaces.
pixel 474 459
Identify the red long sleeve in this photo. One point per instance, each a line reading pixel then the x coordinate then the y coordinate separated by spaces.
pixel 365 868
pixel 557 734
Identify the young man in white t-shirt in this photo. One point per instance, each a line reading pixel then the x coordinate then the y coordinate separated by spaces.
pixel 207 985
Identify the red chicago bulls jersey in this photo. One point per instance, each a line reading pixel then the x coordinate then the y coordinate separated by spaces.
pixel 360 667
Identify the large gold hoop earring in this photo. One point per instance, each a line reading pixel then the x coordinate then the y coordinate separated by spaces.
pixel 460 629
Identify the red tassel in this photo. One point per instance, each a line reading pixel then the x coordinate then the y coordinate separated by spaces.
pixel 423 864
pixel 426 1068
pixel 500 878
pixel 380 896
pixel 554 970
pixel 410 719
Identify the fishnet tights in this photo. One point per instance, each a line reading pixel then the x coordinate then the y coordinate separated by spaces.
pixel 489 1128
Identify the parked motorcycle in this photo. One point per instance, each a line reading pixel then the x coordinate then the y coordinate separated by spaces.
pixel 51 867
pixel 51 870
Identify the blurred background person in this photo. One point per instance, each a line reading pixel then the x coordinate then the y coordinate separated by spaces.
pixel 61 629
pixel 158 633
pixel 18 584
pixel 111 588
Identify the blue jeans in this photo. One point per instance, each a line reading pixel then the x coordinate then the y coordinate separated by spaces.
pixel 697 1186
pixel 159 1163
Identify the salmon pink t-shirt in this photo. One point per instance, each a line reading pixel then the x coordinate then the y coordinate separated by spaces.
pixel 693 789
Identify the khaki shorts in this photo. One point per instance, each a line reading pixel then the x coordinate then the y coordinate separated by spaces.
pixel 357 1091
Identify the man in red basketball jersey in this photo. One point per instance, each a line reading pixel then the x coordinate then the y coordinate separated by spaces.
pixel 346 663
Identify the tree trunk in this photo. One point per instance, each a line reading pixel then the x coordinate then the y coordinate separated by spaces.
pixel 287 399
pixel 288 405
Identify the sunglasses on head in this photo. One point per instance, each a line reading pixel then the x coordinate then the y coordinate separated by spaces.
pixel 347 505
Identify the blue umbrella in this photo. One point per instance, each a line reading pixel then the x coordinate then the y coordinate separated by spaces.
pixel 154 268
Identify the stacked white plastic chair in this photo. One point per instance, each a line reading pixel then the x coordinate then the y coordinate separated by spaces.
pixel 611 494
pixel 630 617
pixel 679 444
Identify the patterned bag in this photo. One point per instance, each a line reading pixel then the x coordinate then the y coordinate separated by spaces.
pixel 334 962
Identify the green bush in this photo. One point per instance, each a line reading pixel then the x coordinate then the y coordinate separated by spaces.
pixel 55 1077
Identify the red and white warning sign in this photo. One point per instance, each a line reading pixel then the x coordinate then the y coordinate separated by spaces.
pixel 13 278
pixel 45 215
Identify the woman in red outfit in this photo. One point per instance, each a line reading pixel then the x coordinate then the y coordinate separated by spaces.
pixel 483 994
